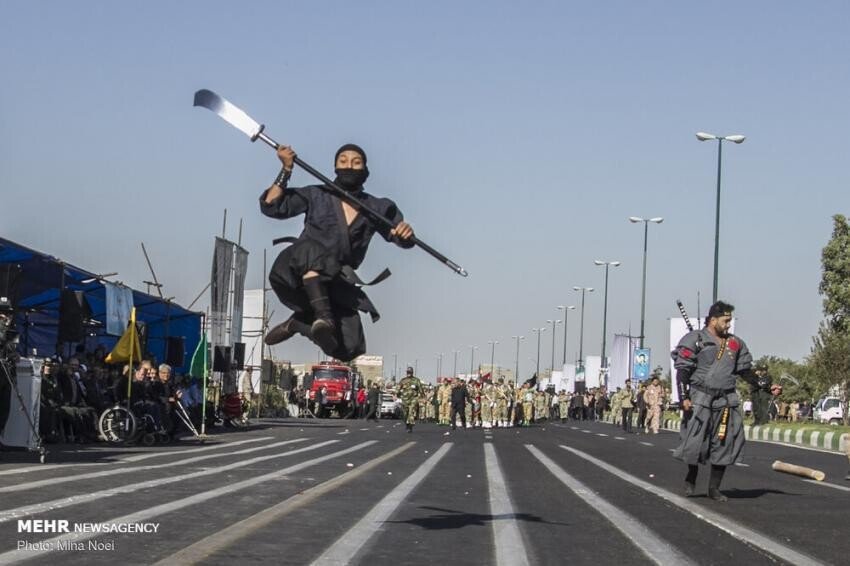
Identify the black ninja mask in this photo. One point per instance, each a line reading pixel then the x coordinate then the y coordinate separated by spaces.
pixel 351 179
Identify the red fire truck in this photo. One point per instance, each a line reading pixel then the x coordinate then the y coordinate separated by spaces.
pixel 340 383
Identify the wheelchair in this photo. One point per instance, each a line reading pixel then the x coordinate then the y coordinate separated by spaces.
pixel 117 425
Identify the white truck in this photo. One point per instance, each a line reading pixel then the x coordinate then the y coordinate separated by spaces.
pixel 828 410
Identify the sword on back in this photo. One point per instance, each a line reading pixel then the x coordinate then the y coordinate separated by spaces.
pixel 686 414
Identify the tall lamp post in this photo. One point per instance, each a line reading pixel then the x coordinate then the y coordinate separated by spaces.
pixel 516 375
pixel 472 358
pixel 566 312
pixel 439 363
pixel 646 221
pixel 395 365
pixel 607 264
pixel 492 357
pixel 538 331
pixel 553 322
pixel 737 138
pixel 581 331
pixel 454 368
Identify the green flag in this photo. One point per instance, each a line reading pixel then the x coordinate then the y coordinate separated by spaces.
pixel 199 359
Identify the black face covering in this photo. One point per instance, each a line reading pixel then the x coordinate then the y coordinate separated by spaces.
pixel 351 179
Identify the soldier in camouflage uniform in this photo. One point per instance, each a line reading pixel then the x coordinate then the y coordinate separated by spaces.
pixel 563 405
pixel 445 392
pixel 409 389
pixel 488 402
pixel 500 416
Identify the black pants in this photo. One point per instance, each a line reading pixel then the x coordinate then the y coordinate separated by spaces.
pixel 454 412
pixel 627 419
pixel 286 279
pixel 372 414
pixel 641 421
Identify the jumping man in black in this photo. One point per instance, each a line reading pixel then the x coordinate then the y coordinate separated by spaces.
pixel 315 275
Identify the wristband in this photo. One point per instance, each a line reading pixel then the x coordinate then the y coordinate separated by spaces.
pixel 283 177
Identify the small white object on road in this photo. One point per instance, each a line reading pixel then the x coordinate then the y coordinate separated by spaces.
pixel 349 465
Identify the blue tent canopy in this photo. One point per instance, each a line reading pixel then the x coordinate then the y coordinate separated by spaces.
pixel 39 295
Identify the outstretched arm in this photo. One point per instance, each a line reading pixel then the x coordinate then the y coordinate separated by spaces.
pixel 277 201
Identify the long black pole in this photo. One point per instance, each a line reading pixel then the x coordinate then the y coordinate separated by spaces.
pixel 717 221
pixel 361 206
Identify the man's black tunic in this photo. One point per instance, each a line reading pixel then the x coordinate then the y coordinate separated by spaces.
pixel 328 246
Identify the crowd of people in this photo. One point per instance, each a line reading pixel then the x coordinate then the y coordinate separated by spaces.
pixel 76 391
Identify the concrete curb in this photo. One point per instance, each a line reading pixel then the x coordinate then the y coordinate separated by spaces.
pixel 807 438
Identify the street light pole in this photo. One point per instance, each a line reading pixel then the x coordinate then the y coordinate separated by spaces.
pixel 553 323
pixel 581 331
pixel 472 358
pixel 646 221
pixel 538 331
pixel 492 357
pixel 737 138
pixel 395 365
pixel 607 264
pixel 454 368
pixel 566 312
pixel 439 363
pixel 516 374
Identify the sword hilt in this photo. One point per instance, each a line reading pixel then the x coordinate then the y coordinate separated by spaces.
pixel 264 138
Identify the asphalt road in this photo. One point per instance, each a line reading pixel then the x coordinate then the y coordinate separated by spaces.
pixel 337 492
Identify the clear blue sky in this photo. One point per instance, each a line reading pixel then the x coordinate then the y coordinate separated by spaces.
pixel 516 137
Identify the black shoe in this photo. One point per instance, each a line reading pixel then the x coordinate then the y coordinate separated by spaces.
pixel 323 332
pixel 716 495
pixel 281 333
pixel 689 489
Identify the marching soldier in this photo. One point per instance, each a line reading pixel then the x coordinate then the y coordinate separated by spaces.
pixel 488 402
pixel 501 415
pixel 409 389
pixel 653 397
pixel 707 362
pixel 563 405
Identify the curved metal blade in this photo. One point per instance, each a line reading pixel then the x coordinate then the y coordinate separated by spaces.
pixel 231 114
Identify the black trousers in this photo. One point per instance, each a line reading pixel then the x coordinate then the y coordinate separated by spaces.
pixel 627 419
pixel 286 279
pixel 454 412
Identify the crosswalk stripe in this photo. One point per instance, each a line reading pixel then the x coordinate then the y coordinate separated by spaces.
pixel 348 545
pixel 137 469
pixel 724 523
pixel 20 512
pixel 205 448
pixel 65 466
pixel 229 536
pixel 151 512
pixel 655 548
pixel 827 484
pixel 510 549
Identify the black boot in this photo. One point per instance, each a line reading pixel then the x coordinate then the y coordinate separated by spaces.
pixel 691 480
pixel 714 483
pixel 286 330
pixel 323 330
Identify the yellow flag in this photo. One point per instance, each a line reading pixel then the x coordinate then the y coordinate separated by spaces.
pixel 128 347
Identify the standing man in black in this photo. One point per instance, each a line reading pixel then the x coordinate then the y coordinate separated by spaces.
pixel 373 399
pixel 761 395
pixel 459 397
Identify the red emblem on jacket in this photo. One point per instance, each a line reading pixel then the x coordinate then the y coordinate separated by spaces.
pixel 733 345
pixel 685 353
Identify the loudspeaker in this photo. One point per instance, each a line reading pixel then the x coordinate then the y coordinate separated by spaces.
pixel 239 355
pixel 287 380
pixel 580 387
pixel 221 358
pixel 10 276
pixel 74 310
pixel 267 374
pixel 175 351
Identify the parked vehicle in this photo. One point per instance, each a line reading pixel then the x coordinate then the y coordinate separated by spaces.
pixel 339 382
pixel 390 406
pixel 828 410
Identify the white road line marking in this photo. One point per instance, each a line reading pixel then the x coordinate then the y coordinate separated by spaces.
pixel 722 522
pixel 646 443
pixel 171 506
pixel 656 549
pixel 586 431
pixel 827 484
pixel 510 549
pixel 137 469
pixel 205 448
pixel 129 458
pixel 231 535
pixel 619 438
pixel 344 550
pixel 17 513
pixel 601 434
pixel 741 464
pixel 574 427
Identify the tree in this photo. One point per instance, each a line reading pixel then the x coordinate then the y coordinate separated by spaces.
pixel 830 358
